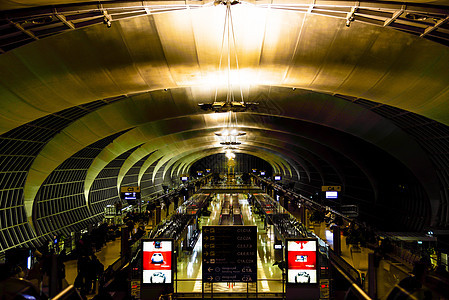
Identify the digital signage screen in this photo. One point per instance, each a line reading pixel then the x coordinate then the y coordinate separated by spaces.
pixel 157 262
pixel 277 177
pixel 331 195
pixel 131 196
pixel 302 261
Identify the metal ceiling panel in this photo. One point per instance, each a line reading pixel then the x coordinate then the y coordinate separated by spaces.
pixel 146 53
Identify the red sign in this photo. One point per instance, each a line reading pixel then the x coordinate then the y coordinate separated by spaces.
pixel 302 261
pixel 157 261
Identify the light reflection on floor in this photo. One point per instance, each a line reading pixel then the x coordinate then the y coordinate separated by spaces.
pixel 269 276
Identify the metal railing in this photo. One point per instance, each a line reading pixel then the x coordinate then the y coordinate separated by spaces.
pixel 69 292
pixel 355 288
pixel 273 288
pixel 345 267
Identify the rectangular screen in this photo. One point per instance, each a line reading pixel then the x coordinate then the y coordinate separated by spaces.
pixel 184 178
pixel 157 261
pixel 331 195
pixel 262 173
pixel 277 177
pixel 302 261
pixel 130 196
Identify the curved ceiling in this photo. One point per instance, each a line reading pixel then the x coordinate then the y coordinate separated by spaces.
pixel 180 49
pixel 296 65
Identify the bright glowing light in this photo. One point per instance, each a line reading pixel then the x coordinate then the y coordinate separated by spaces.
pixel 238 79
pixel 329 236
pixel 211 119
pixel 230 132
pixel 229 154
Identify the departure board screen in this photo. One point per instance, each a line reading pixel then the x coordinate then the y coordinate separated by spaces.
pixel 229 253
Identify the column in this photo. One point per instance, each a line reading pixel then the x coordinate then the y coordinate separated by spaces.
pixel 158 214
pixel 337 240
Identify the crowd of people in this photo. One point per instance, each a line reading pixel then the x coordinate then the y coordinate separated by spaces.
pixel 90 269
pixel 97 238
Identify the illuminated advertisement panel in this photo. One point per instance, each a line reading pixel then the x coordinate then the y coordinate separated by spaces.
pixel 157 261
pixel 331 195
pixel 302 261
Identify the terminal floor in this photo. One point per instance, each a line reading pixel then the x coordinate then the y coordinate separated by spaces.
pixel 269 276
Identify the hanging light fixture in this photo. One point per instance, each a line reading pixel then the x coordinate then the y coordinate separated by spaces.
pixel 230 132
pixel 230 104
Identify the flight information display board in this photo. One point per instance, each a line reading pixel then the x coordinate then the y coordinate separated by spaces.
pixel 130 192
pixel 302 261
pixel 157 261
pixel 229 253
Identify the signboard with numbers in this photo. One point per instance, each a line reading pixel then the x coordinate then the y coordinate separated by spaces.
pixel 130 192
pixel 326 188
pixel 229 253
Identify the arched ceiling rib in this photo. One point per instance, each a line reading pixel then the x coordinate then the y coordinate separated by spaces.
pixel 152 143
pixel 267 152
pixel 262 138
pixel 186 146
pixel 260 145
pixel 377 131
pixel 164 106
pixel 277 162
pixel 188 160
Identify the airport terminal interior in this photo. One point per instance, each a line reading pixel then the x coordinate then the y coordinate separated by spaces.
pixel 210 149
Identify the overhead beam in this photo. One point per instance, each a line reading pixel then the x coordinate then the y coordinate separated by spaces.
pixel 396 15
pixel 64 20
pixel 434 27
pixel 26 31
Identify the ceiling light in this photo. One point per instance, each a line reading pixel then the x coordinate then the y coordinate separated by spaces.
pixel 229 154
pixel 230 104
pixel 219 107
pixel 230 143
pixel 230 132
